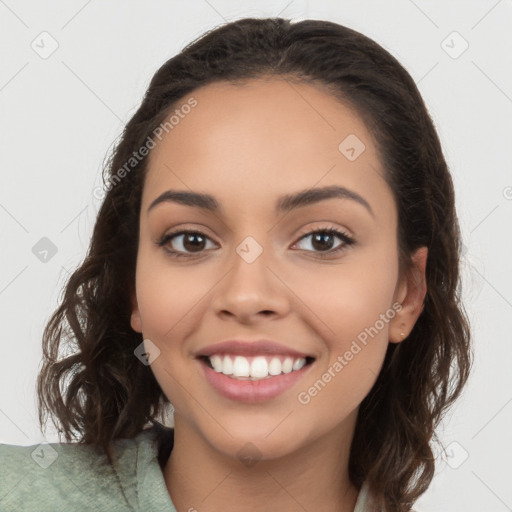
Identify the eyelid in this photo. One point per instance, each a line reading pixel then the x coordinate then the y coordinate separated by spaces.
pixel 346 241
pixel 167 237
pixel 325 227
pixel 189 228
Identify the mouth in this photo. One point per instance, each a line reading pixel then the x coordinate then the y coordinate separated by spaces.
pixel 253 379
pixel 255 368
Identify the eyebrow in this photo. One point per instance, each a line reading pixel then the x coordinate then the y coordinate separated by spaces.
pixel 285 203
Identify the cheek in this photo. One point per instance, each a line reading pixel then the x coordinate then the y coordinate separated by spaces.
pixel 354 304
pixel 168 295
pixel 351 298
pixel 358 318
pixel 168 298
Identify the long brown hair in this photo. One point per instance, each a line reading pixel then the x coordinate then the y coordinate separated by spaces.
pixel 96 390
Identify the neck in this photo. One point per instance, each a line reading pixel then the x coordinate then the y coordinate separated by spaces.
pixel 315 477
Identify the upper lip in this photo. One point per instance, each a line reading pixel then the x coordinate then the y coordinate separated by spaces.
pixel 250 348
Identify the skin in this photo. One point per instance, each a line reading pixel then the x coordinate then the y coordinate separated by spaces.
pixel 247 145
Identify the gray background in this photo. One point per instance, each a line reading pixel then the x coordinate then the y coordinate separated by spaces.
pixel 61 114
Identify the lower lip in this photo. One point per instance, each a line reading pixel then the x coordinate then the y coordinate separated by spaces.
pixel 252 391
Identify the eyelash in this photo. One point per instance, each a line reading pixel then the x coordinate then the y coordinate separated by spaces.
pixel 346 239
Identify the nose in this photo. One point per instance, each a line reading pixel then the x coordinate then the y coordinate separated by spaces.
pixel 250 291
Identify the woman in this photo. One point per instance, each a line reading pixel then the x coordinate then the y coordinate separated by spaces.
pixel 277 256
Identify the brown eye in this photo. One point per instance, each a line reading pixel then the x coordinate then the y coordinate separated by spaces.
pixel 184 243
pixel 324 241
pixel 193 242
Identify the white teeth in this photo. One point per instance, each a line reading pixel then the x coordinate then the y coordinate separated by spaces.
pixel 259 368
pixel 227 366
pixel 216 363
pixel 241 367
pixel 274 368
pixel 299 363
pixel 287 365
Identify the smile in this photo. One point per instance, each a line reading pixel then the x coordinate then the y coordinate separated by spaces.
pixel 253 379
pixel 255 368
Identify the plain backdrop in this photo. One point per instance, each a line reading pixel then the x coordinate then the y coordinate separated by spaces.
pixel 74 72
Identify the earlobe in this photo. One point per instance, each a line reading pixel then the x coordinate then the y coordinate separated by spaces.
pixel 411 295
pixel 135 321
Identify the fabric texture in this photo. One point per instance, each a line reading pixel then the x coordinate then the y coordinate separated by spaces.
pixel 71 476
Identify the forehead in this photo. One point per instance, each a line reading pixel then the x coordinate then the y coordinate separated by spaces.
pixel 264 137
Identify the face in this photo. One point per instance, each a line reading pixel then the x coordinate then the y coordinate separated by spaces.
pixel 318 277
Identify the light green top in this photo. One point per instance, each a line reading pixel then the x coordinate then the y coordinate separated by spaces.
pixel 75 477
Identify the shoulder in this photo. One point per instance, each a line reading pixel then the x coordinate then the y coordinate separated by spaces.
pixel 51 476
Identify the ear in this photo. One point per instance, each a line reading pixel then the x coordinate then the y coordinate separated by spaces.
pixel 410 293
pixel 135 320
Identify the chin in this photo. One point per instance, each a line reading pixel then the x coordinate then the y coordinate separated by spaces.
pixel 263 438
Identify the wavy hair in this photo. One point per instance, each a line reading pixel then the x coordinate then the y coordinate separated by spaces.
pixel 93 387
